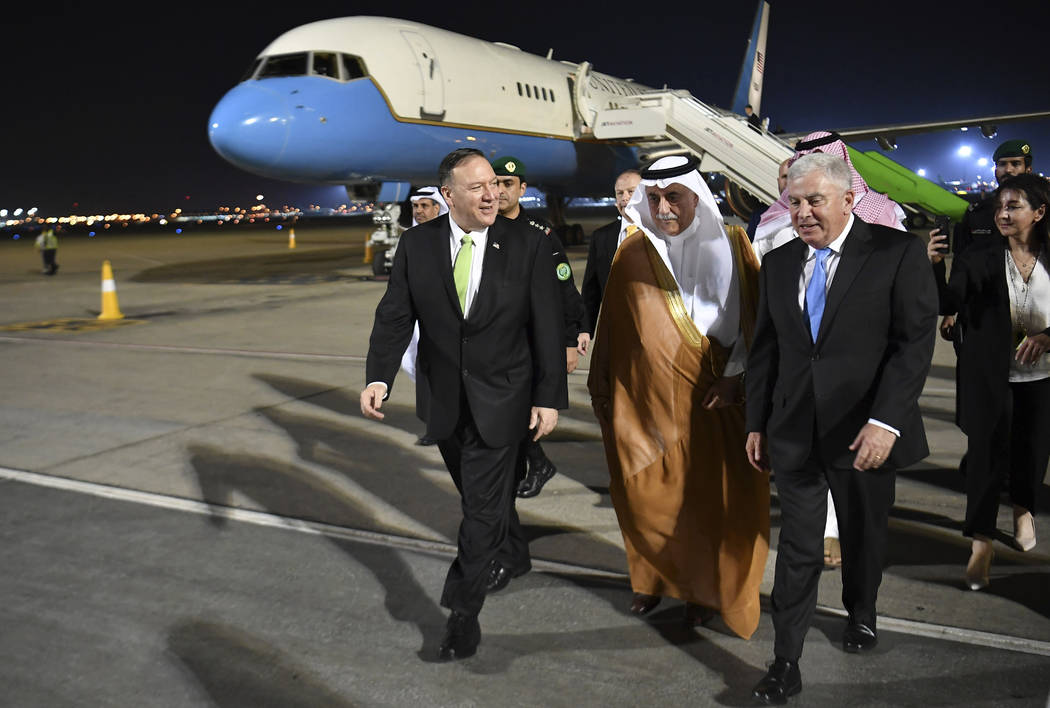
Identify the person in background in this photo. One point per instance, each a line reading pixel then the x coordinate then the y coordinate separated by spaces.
pixel 47 244
pixel 1000 286
pixel 511 176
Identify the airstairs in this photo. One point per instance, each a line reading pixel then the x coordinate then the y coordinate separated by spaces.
pixel 665 122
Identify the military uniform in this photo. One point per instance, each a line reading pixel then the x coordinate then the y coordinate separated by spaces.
pixel 978 222
pixel 539 468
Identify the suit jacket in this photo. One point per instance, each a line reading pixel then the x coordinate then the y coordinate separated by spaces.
pixel 504 358
pixel 599 262
pixel 985 345
pixel 870 360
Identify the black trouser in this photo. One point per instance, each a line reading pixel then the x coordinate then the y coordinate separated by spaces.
pixel 862 503
pixel 49 259
pixel 487 480
pixel 1018 444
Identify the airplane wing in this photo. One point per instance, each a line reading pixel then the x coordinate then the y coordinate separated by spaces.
pixel 886 135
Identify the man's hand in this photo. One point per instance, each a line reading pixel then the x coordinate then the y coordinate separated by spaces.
pixel 372 401
pixel 724 392
pixel 756 451
pixel 572 358
pixel 873 445
pixel 583 342
pixel 947 327
pixel 1033 347
pixel 542 421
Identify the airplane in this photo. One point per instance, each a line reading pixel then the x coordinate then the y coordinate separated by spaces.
pixel 375 103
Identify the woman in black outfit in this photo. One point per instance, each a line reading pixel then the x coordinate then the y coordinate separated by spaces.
pixel 1001 288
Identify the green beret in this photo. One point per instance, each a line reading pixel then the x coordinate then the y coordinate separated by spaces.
pixel 1013 148
pixel 509 167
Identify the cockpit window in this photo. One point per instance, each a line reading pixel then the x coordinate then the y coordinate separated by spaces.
pixel 302 64
pixel 284 65
pixel 326 64
pixel 353 68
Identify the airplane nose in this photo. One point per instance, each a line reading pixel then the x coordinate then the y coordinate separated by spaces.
pixel 249 127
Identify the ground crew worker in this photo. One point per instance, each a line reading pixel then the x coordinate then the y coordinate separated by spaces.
pixel 47 244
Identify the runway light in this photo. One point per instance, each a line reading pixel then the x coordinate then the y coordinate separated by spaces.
pixel 259 197
pixel 921 172
pixel 964 151
pixel 279 227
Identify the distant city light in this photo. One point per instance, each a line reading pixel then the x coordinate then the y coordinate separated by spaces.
pixel 18 212
pixel 964 151
pixel 921 172
pixel 259 197
pixel 3 213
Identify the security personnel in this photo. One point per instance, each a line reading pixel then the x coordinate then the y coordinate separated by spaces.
pixel 510 174
pixel 1011 158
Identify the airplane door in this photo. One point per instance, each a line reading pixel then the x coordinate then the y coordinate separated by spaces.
pixel 430 72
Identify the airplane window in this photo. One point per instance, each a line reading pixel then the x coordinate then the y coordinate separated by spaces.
pixel 325 64
pixel 528 92
pixel 544 93
pixel 520 92
pixel 552 95
pixel 284 65
pixel 536 92
pixel 353 68
pixel 251 71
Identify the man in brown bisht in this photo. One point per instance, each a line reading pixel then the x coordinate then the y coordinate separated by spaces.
pixel 666 385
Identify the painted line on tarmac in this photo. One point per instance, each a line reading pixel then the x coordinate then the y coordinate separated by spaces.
pixel 189 350
pixel 259 518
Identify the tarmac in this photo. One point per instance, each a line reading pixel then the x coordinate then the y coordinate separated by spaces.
pixel 195 513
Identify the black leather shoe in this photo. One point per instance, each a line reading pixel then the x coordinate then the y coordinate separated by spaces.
pixel 642 604
pixel 426 441
pixel 782 680
pixel 698 615
pixel 497 577
pixel 462 636
pixel 859 637
pixel 535 478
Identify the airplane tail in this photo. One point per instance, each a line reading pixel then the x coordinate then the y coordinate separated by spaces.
pixel 749 85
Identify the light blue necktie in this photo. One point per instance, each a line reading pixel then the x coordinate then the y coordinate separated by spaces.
pixel 816 292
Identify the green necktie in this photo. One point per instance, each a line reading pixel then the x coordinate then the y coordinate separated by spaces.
pixel 461 270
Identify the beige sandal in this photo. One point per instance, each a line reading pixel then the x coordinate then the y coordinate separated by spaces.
pixel 832 552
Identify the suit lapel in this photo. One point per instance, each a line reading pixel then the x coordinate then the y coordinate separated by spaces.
pixel 855 252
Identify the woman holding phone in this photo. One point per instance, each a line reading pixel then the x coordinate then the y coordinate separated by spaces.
pixel 1002 285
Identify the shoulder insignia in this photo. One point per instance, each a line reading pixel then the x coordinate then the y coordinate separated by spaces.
pixel 564 271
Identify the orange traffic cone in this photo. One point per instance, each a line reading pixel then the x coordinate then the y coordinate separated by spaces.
pixel 110 307
pixel 368 251
pixel 291 238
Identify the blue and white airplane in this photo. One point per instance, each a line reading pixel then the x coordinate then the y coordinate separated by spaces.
pixel 374 103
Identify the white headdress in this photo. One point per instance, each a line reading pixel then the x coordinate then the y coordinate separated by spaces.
pixel 429 193
pixel 700 257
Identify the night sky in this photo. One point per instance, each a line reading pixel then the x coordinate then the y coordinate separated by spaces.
pixel 106 104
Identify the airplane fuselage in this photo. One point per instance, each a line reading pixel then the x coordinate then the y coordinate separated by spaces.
pixel 361 100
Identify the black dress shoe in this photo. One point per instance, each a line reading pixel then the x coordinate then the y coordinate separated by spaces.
pixel 462 636
pixel 426 441
pixel 859 637
pixel 497 577
pixel 537 476
pixel 782 680
pixel 642 604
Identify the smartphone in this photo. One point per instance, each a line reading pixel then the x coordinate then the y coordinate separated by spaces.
pixel 944 225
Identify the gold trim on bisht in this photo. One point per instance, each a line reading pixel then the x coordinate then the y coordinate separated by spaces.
pixel 665 279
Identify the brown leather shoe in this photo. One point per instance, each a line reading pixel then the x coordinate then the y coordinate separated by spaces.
pixel 643 604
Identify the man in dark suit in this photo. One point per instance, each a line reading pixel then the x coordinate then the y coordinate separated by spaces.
pixel 490 339
pixel 604 242
pixel 843 343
